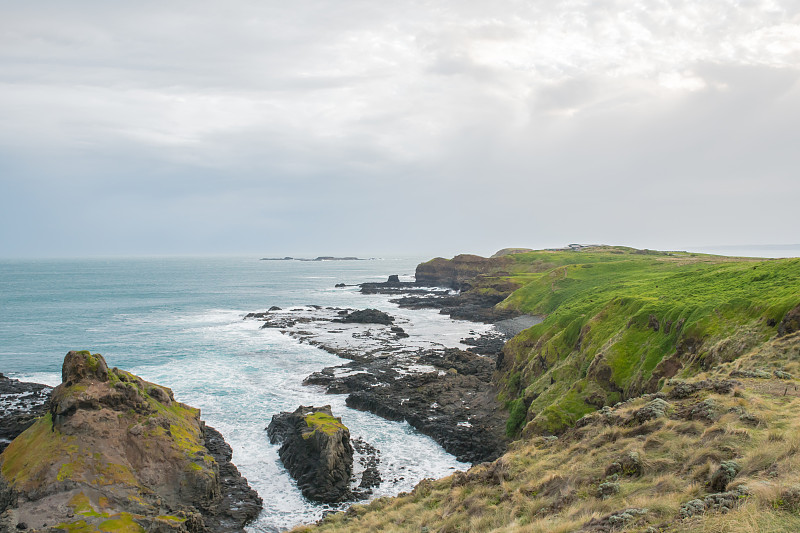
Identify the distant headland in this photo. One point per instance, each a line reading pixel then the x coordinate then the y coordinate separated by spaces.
pixel 320 258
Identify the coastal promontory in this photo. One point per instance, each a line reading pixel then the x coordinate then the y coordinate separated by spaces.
pixel 657 391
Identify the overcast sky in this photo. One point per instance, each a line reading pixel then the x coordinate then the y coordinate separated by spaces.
pixel 363 127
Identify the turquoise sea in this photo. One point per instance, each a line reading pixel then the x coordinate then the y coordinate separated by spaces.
pixel 178 322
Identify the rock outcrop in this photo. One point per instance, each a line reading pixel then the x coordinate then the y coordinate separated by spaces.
pixel 455 404
pixel 468 305
pixel 114 451
pixel 21 404
pixel 316 450
pixel 367 316
pixel 460 269
pixel 790 322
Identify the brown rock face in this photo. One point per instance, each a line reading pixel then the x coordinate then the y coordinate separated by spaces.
pixel 83 366
pixel 454 272
pixel 115 447
pixel 790 322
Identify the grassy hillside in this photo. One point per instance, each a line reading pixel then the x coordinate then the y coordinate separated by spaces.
pixel 619 322
pixel 658 394
pixel 710 454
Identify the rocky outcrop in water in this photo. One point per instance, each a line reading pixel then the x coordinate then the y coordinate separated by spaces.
pixel 454 403
pixel 367 316
pixel 238 503
pixel 21 404
pixel 114 451
pixel 316 450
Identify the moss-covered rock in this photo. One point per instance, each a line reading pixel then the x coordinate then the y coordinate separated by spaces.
pixel 316 450
pixel 114 453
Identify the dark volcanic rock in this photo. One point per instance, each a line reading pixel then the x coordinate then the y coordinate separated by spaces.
pixel 486 344
pixel 401 287
pixel 316 450
pixel 367 316
pixel 456 405
pixel 21 404
pixel 369 459
pixel 400 332
pixel 465 306
pixel 239 503
pixel 394 278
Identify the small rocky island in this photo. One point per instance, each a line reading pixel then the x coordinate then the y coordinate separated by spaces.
pixel 116 453
pixel 316 450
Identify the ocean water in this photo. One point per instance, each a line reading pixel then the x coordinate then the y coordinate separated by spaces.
pixel 178 322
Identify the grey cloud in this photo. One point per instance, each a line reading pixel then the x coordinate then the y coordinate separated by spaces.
pixel 449 126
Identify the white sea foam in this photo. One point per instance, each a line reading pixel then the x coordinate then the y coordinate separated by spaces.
pixel 240 398
pixel 46 378
pixel 179 323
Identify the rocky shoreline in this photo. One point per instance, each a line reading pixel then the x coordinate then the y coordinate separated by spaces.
pixel 21 403
pixel 444 392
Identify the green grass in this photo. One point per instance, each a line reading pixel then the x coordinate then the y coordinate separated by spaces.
pixel 620 322
pixel 325 423
pixel 602 307
pixel 551 485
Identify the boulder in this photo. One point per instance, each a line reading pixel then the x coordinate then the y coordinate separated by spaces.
pixel 83 366
pixel 316 450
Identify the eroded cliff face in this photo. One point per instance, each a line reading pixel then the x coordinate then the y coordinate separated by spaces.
pixel 116 451
pixel 455 272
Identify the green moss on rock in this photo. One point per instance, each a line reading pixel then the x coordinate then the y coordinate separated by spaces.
pixel 319 421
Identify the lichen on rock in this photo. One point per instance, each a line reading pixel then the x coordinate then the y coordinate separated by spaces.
pixel 114 451
pixel 316 450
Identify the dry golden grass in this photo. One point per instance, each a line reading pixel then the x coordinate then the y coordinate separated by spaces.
pixel 552 486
